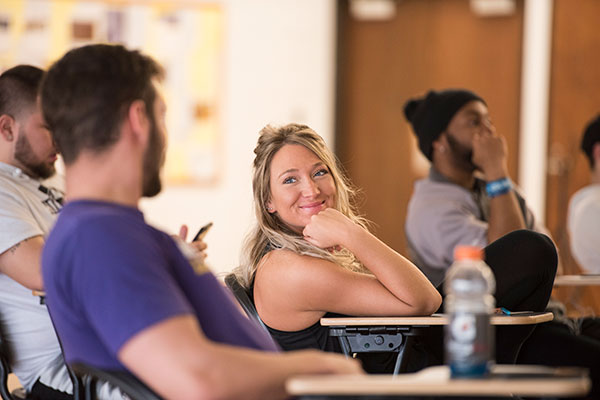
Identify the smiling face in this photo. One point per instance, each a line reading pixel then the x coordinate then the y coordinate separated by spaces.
pixel 35 152
pixel 301 185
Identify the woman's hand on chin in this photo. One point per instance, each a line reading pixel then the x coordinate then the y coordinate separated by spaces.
pixel 329 229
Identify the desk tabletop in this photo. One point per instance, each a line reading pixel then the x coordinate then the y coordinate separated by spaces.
pixel 527 318
pixel 577 280
pixel 505 380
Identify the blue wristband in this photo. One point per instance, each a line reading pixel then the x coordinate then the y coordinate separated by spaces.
pixel 498 187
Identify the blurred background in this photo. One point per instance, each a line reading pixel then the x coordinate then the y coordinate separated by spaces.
pixel 345 68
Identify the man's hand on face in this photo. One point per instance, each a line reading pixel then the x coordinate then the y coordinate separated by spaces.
pixel 489 155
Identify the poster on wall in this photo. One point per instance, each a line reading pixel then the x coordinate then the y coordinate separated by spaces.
pixel 5 23
pixel 186 38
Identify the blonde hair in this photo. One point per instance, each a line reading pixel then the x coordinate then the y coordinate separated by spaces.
pixel 270 231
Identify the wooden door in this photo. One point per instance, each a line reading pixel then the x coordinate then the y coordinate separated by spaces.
pixel 428 44
pixel 574 100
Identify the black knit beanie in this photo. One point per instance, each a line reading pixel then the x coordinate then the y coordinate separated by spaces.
pixel 430 115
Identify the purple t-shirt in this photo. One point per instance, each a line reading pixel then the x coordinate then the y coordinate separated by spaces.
pixel 108 275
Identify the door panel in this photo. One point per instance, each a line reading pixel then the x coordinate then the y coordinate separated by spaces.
pixel 428 44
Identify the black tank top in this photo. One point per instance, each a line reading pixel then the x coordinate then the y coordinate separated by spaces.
pixel 317 337
pixel 313 337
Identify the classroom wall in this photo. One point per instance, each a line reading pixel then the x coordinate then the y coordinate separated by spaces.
pixel 279 68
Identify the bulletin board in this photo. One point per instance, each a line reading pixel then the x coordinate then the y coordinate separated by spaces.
pixel 186 38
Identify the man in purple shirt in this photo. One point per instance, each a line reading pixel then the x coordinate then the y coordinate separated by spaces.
pixel 121 293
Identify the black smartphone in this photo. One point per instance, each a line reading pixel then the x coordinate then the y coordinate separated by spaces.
pixel 202 231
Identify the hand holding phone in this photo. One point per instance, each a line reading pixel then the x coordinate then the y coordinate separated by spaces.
pixel 203 231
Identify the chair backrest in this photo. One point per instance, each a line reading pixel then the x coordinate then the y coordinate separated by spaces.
pixel 5 393
pixel 78 385
pixel 4 371
pixel 244 298
pixel 126 382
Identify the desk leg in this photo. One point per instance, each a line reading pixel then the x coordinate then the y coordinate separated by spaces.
pixel 400 360
pixel 345 345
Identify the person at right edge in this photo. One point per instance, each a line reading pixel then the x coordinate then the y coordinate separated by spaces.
pixel 468 198
pixel 584 207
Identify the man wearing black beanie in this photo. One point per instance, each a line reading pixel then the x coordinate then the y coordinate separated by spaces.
pixel 431 114
pixel 468 198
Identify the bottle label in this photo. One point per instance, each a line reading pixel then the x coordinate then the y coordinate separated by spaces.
pixel 469 338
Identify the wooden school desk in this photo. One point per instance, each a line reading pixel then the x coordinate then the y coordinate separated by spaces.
pixel 504 380
pixel 577 280
pixel 579 293
pixel 391 334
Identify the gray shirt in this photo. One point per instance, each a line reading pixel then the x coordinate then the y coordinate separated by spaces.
pixel 584 228
pixel 28 208
pixel 442 215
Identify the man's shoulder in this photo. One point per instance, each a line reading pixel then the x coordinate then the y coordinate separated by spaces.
pixel 585 203
pixel 94 224
pixel 438 190
pixel 91 238
pixel 20 191
pixel 10 187
pixel 589 194
pixel 433 197
pixel 437 209
pixel 105 214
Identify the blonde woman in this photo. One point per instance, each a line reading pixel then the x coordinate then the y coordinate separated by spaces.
pixel 311 254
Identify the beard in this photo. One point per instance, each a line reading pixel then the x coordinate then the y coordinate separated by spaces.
pixel 462 156
pixel 153 161
pixel 29 163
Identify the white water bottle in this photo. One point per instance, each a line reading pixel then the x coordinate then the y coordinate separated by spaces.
pixel 469 303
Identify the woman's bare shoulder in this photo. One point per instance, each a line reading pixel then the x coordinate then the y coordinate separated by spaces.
pixel 286 259
pixel 289 266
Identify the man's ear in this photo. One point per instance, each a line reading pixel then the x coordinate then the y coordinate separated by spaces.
pixel 596 151
pixel 138 121
pixel 440 144
pixel 7 127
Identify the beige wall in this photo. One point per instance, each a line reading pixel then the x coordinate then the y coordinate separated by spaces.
pixel 279 60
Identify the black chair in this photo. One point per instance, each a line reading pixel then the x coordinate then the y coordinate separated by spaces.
pixel 124 381
pixel 17 394
pixel 85 378
pixel 78 386
pixel 244 298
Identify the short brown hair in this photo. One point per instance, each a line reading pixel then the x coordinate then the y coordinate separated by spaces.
pixel 86 94
pixel 19 89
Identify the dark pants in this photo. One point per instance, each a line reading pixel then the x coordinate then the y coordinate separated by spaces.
pixel 524 265
pixel 555 344
pixel 39 391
